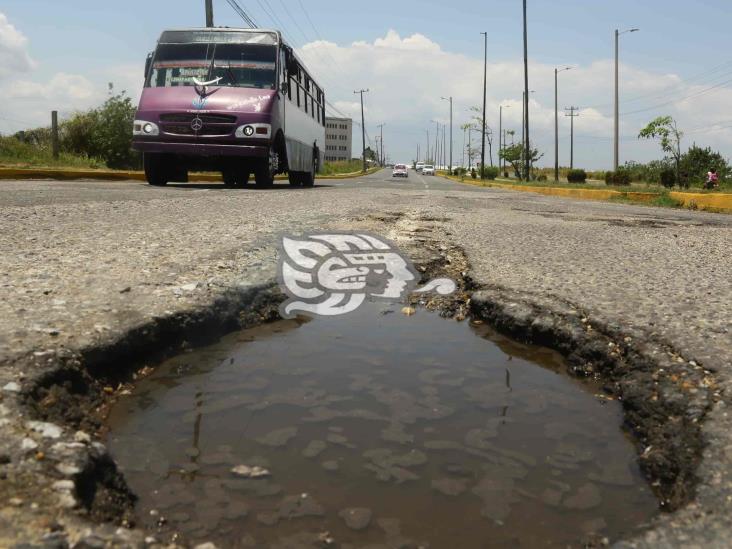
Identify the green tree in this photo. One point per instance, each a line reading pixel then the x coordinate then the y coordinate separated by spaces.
pixel 477 119
pixel 666 130
pixel 514 155
pixel 113 134
pixel 697 161
pixel 370 154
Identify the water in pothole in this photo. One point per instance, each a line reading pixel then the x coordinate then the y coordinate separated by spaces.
pixel 377 430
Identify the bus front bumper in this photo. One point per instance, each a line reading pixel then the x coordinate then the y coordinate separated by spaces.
pixel 200 149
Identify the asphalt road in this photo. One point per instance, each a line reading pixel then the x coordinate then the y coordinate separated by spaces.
pixel 82 261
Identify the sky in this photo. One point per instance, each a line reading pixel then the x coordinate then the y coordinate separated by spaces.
pixel 409 54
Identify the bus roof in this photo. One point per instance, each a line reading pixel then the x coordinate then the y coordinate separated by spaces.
pixel 225 34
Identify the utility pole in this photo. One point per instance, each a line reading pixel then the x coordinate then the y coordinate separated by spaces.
pixel 556 121
pixel 363 128
pixel 501 146
pixel 383 156
pixel 616 140
pixel 527 139
pixel 436 152
pixel 209 14
pixel 573 113
pixel 427 153
pixel 462 162
pixel 54 134
pixel 485 91
pixel 444 147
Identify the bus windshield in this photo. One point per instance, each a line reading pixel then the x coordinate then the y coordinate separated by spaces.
pixel 236 65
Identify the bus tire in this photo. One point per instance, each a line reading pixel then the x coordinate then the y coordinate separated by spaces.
pixel 266 169
pixel 229 177
pixel 294 179
pixel 242 178
pixel 156 170
pixel 308 178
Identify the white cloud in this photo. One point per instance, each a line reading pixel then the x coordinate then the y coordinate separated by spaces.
pixel 14 56
pixel 407 76
pixel 28 98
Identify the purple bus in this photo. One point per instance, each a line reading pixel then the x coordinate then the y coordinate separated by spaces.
pixel 238 101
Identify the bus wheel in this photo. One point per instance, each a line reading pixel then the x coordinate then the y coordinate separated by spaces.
pixel 156 170
pixel 294 178
pixel 308 178
pixel 229 177
pixel 242 178
pixel 265 171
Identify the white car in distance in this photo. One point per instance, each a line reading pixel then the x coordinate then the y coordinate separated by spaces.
pixel 400 170
pixel 428 170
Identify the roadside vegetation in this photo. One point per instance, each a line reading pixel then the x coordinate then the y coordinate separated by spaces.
pixel 97 139
pixel 341 167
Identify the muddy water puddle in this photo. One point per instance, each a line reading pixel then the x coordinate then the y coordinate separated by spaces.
pixel 377 430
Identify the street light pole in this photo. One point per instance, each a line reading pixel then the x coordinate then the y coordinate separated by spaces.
pixel 527 140
pixel 363 128
pixel 485 90
pixel 450 100
pixel 556 121
pixel 616 140
pixel 381 140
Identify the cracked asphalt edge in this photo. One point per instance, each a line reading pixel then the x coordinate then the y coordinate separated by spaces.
pixel 60 481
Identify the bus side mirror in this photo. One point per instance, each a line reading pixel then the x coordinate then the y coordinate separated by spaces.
pixel 284 88
pixel 290 62
pixel 148 64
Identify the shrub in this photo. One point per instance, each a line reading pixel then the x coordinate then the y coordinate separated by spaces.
pixel 620 178
pixel 599 176
pixel 576 176
pixel 473 174
pixel 490 172
pixel 542 177
pixel 668 178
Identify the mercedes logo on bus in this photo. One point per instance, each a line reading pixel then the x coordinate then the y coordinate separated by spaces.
pixel 197 124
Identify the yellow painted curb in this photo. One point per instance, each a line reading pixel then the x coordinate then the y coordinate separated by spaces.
pixel 126 175
pixel 712 201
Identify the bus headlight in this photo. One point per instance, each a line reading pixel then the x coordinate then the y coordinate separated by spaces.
pixel 144 128
pixel 254 130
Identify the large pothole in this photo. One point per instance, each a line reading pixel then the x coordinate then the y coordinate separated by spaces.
pixel 377 429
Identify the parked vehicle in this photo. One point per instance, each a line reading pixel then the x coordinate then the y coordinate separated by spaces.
pixel 400 170
pixel 237 101
pixel 419 166
pixel 428 170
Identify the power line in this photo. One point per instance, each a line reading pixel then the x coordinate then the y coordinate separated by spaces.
pixel 674 101
pixel 244 15
pixel 674 88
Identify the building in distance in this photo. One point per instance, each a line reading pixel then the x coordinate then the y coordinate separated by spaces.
pixel 338 139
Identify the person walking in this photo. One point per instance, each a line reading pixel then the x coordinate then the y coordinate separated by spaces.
pixel 712 179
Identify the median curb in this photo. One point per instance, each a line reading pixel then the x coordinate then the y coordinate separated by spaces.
pixel 129 175
pixel 718 202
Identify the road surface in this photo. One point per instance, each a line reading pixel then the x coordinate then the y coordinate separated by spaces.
pixel 83 262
